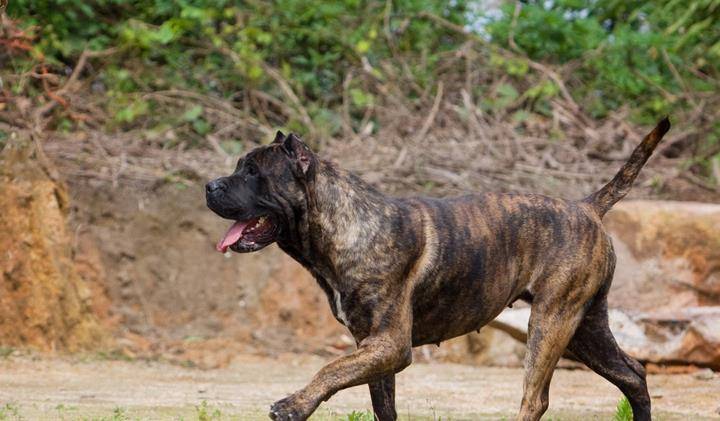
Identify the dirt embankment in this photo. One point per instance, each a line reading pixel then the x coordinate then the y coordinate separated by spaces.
pixel 149 251
pixel 180 299
pixel 49 298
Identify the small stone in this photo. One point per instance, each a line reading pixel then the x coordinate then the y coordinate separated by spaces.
pixel 704 374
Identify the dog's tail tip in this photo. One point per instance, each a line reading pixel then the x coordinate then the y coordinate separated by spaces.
pixel 603 199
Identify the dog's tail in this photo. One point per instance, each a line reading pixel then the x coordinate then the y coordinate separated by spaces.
pixel 603 199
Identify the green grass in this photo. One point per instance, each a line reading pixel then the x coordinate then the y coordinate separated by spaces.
pixel 10 411
pixel 623 411
pixel 359 416
pixel 205 412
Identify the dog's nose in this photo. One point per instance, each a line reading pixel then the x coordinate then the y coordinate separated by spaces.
pixel 215 186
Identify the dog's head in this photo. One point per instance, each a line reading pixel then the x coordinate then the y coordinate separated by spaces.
pixel 264 194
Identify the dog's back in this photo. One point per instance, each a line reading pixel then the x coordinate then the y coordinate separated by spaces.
pixel 493 248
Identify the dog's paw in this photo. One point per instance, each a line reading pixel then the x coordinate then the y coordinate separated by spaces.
pixel 287 410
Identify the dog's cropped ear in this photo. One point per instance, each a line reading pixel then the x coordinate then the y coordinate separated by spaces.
pixel 298 151
pixel 279 137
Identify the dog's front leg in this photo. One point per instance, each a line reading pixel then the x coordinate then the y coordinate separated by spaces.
pixel 376 357
pixel 382 393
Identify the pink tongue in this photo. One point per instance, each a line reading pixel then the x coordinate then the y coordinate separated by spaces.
pixel 231 236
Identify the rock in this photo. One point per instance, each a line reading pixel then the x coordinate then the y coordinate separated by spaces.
pixel 665 249
pixel 689 336
pixel 704 374
pixel 667 281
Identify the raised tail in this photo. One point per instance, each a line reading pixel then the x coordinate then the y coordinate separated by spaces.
pixel 603 199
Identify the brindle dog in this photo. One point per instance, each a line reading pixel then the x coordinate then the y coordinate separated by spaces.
pixel 403 272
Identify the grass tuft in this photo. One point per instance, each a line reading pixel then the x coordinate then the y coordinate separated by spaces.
pixel 360 416
pixel 205 412
pixel 623 411
pixel 10 411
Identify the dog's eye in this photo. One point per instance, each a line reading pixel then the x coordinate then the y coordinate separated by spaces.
pixel 252 170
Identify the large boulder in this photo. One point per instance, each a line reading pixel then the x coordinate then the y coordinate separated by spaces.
pixel 667 280
pixel 668 255
pixel 689 336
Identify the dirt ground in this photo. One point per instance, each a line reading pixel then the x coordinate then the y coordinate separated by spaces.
pixel 58 388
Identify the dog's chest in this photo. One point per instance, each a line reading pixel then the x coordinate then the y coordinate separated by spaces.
pixel 335 297
pixel 338 308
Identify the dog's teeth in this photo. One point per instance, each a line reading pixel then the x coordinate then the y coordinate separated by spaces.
pixel 257 224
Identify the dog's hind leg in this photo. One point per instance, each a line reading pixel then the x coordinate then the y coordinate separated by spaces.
pixel 553 320
pixel 595 345
pixel 382 393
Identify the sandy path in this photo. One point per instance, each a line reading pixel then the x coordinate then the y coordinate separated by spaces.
pixel 63 389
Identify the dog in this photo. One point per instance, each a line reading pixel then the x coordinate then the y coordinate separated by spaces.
pixel 404 272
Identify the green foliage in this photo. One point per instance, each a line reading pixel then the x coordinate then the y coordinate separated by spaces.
pixel 118 414
pixel 65 27
pixel 10 411
pixel 194 117
pixel 644 54
pixel 225 47
pixel 360 416
pixel 627 48
pixel 623 411
pixel 653 57
pixel 205 412
pixel 549 30
pixel 127 113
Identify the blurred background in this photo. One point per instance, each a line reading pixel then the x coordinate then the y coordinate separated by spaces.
pixel 114 114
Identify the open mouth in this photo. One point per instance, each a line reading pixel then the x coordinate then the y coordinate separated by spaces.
pixel 249 235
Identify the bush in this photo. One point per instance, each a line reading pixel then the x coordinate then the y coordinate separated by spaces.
pixel 647 55
pixel 228 48
pixel 652 57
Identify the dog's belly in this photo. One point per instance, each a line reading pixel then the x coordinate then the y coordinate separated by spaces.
pixel 455 306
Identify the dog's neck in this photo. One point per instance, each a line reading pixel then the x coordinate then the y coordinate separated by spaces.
pixel 343 214
pixel 341 195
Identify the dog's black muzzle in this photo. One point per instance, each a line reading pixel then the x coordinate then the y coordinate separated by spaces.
pixel 220 201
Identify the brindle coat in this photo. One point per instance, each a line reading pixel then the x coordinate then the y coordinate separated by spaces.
pixel 403 272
